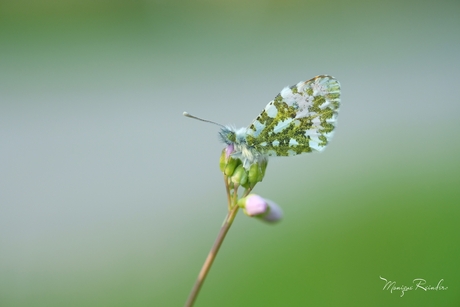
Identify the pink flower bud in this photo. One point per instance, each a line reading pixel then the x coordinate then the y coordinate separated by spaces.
pixel 264 209
pixel 255 205
pixel 229 150
pixel 274 213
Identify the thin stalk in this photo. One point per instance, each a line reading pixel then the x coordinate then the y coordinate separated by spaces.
pixel 211 256
pixel 227 189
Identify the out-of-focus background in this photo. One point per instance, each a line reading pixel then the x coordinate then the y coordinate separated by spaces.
pixel 110 197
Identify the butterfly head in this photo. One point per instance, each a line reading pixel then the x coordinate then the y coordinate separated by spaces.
pixel 236 140
pixel 237 145
pixel 230 135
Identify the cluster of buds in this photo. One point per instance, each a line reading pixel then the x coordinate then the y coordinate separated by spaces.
pixel 234 169
pixel 238 175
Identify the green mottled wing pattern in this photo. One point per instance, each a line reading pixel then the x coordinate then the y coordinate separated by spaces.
pixel 300 119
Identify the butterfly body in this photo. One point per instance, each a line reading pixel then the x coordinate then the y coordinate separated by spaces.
pixel 300 119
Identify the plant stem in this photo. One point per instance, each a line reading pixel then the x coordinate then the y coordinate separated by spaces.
pixel 229 196
pixel 211 256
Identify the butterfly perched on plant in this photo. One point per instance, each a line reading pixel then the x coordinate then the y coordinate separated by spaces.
pixel 300 119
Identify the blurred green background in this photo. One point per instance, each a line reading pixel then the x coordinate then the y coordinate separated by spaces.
pixel 109 197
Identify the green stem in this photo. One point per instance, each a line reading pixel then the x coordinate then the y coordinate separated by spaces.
pixel 229 197
pixel 211 256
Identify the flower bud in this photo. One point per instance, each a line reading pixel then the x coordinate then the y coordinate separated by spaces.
pixel 222 161
pixel 227 163
pixel 231 166
pixel 253 175
pixel 240 176
pixel 273 214
pixel 265 209
pixel 253 205
pixel 263 167
pixel 229 150
pixel 256 172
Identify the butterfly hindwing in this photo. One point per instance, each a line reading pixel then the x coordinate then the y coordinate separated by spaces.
pixel 300 119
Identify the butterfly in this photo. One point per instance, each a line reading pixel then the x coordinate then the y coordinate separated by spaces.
pixel 300 119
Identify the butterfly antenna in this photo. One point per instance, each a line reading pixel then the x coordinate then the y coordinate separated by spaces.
pixel 203 120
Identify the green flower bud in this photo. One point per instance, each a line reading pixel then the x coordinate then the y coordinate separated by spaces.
pixel 263 167
pixel 231 166
pixel 257 172
pixel 227 163
pixel 240 175
pixel 222 161
pixel 253 175
pixel 247 185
